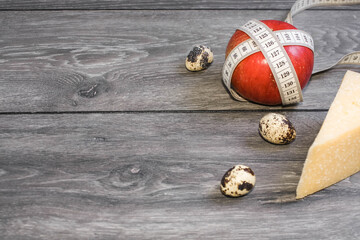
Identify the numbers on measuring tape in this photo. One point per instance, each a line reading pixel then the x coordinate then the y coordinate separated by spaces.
pixel 264 36
pixel 253 45
pixel 306 39
pixel 295 37
pixel 290 92
pixel 281 64
pixel 353 58
pixel 301 5
pixel 288 84
pixel 287 36
pixel 271 45
pixel 275 54
pixel 285 74
pixel 258 29
pixel 349 59
pixel 293 99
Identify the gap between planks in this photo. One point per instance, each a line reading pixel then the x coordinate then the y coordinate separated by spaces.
pixel 164 111
pixel 342 8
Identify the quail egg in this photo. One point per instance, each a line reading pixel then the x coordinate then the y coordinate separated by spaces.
pixel 238 181
pixel 199 58
pixel 276 128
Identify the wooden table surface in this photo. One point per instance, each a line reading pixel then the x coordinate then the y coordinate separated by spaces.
pixel 105 135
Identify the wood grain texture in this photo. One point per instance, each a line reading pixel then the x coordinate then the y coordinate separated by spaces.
pixel 134 60
pixel 157 176
pixel 150 5
pixel 105 135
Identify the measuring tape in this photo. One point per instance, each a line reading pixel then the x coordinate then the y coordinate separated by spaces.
pixel 349 59
pixel 301 5
pixel 271 43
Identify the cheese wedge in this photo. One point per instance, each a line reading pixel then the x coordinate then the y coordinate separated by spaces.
pixel 335 153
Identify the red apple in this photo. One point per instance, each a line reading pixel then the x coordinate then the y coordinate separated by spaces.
pixel 253 79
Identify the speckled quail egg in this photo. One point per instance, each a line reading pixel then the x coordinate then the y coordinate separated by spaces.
pixel 276 128
pixel 199 58
pixel 238 181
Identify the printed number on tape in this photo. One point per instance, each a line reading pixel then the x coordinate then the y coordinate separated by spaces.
pixel 270 43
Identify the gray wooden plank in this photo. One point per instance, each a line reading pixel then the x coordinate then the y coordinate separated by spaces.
pixel 134 60
pixel 151 5
pixel 156 176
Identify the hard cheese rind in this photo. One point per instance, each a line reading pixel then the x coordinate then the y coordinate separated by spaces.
pixel 335 153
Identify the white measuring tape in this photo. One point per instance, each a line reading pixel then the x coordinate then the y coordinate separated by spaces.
pixel 301 5
pixel 271 43
pixel 349 59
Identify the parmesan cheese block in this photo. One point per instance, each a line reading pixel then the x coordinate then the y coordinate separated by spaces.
pixel 335 153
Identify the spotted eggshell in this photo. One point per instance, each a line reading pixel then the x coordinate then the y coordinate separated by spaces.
pixel 199 58
pixel 238 181
pixel 277 129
